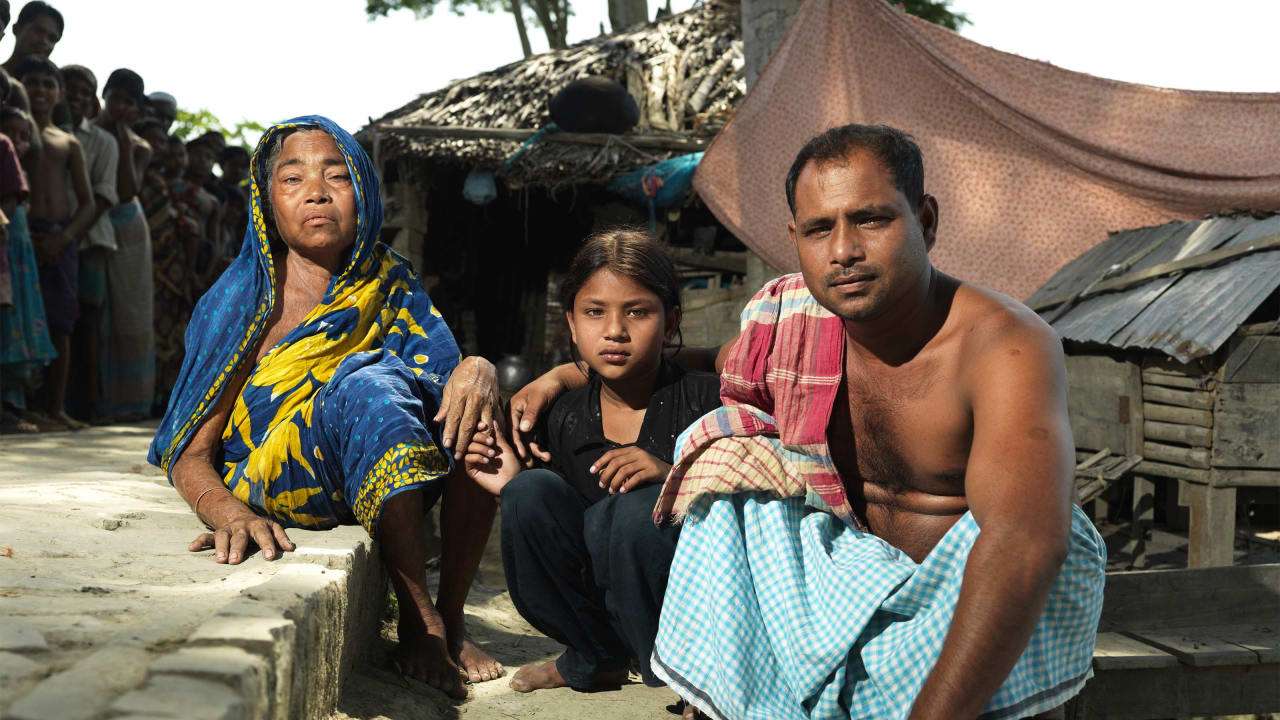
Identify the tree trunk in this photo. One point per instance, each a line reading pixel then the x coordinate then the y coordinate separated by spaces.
pixel 553 16
pixel 517 10
pixel 625 13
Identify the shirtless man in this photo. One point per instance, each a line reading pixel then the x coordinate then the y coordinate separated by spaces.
pixel 950 411
pixel 55 225
pixel 38 29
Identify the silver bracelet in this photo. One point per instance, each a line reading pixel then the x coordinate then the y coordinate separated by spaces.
pixel 196 508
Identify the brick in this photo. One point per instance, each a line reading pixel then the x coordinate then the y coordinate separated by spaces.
pixel 16 636
pixel 82 690
pixel 247 674
pixel 167 695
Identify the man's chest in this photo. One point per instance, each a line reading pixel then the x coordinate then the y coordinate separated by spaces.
pixel 903 434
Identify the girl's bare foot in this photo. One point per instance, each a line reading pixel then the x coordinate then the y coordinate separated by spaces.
pixel 477 665
pixel 423 654
pixel 545 675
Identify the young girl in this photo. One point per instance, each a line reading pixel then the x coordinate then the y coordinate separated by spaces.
pixel 584 562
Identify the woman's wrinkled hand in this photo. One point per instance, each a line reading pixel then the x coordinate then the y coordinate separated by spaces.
pixel 231 542
pixel 471 402
pixel 623 468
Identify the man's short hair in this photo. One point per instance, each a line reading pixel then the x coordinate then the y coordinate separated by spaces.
pixel 37 65
pixel 4 14
pixel 5 88
pixel 895 149
pixel 161 96
pixel 35 9
pixel 128 81
pixel 80 73
pixel 232 152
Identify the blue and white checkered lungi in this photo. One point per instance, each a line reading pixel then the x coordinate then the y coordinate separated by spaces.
pixel 778 611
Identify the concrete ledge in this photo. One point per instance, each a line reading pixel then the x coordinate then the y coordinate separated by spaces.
pixel 279 651
pixel 107 615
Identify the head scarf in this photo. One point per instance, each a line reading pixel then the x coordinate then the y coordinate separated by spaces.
pixel 229 320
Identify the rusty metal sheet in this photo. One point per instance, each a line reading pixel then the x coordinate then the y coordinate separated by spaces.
pixel 1201 311
pixel 1186 315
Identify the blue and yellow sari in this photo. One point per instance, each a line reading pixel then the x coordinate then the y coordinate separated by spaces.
pixel 335 419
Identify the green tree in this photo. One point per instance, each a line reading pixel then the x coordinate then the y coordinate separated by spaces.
pixel 551 15
pixel 935 11
pixel 191 124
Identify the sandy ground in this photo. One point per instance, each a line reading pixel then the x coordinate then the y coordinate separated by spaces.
pixel 377 692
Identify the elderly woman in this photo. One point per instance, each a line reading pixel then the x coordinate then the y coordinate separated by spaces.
pixel 316 372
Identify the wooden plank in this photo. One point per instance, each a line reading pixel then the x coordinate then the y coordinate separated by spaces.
pixel 1198 399
pixel 1114 651
pixel 655 142
pixel 1191 457
pixel 1172 432
pixel 1253 358
pixel 1144 504
pixel 1182 691
pixel 1179 415
pixel 1211 537
pixel 1153 376
pixel 1196 649
pixel 1197 368
pixel 1261 640
pixel 1103 402
pixel 1247 425
pixel 1236 477
pixel 1093 459
pixel 1263 328
pixel 1178 472
pixel 1163 599
pixel 1208 259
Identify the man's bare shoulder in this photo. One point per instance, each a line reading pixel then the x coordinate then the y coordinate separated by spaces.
pixel 57 139
pixel 996 324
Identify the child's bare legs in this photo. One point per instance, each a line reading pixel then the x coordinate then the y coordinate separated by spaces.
pixel 55 386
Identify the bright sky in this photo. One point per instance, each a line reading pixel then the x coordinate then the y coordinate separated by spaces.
pixel 268 60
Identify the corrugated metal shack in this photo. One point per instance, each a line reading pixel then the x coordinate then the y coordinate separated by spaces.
pixel 1173 361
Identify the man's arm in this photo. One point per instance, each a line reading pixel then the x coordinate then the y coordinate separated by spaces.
pixel 102 180
pixel 84 197
pixel 1018 484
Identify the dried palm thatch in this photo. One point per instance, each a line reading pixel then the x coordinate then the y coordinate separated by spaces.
pixel 684 72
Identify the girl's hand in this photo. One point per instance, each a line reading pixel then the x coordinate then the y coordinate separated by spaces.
pixel 491 461
pixel 470 402
pixel 621 469
pixel 526 407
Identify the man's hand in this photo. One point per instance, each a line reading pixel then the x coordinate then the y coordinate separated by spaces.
pixel 621 469
pixel 471 402
pixel 491 462
pixel 231 541
pixel 48 247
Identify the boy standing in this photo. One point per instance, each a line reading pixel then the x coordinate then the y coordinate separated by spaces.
pixel 55 224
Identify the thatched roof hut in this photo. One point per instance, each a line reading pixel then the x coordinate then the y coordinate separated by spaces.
pixel 684 72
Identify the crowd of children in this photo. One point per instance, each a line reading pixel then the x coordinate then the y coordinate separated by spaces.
pixel 112 227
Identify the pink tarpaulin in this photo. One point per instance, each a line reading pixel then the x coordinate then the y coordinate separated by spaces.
pixel 1031 164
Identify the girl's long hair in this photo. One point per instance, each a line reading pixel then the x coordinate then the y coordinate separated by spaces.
pixel 628 252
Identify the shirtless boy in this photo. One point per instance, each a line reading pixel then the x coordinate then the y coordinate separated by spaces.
pixel 942 477
pixel 55 225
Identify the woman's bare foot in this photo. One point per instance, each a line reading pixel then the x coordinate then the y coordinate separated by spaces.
pixel 72 424
pixel 477 665
pixel 423 654
pixel 546 675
